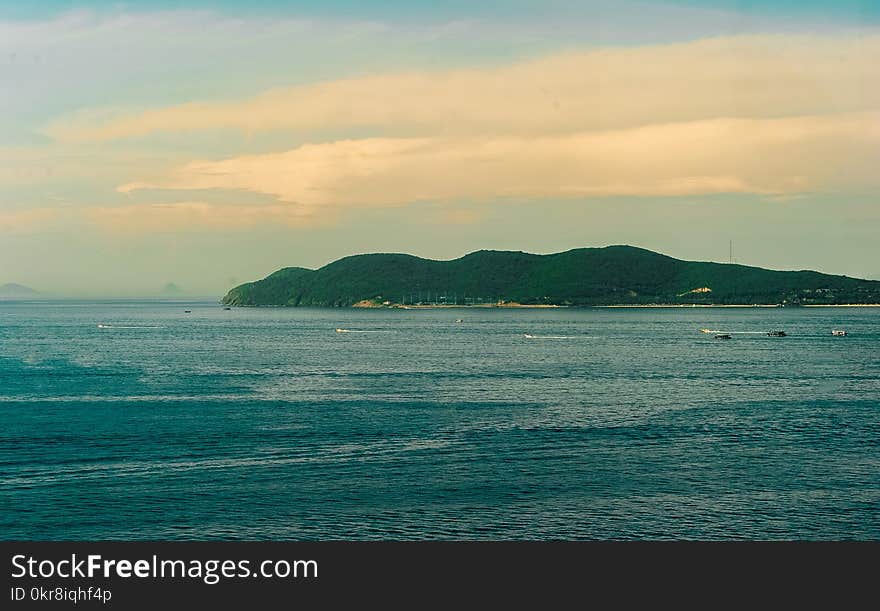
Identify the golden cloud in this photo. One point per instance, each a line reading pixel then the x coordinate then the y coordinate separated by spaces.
pixel 775 115
pixel 17 221
pixel 748 77
pixel 180 216
pixel 770 156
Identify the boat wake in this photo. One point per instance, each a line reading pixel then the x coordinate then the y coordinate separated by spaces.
pixel 105 326
pixel 356 331
pixel 530 336
pixel 734 332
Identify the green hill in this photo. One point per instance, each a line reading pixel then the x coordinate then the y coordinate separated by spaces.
pixel 584 276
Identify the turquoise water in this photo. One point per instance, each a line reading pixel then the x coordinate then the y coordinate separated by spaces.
pixel 268 424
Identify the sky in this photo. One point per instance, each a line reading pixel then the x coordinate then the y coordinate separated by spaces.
pixel 209 143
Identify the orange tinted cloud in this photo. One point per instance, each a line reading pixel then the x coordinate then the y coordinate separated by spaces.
pixel 180 216
pixel 747 76
pixel 32 219
pixel 770 156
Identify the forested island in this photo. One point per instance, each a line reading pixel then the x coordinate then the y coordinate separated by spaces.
pixel 614 275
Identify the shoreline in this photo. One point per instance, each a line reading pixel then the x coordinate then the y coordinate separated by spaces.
pixel 842 305
pixel 441 306
pixel 757 305
pixel 646 305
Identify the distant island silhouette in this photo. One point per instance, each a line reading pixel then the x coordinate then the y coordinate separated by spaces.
pixel 11 289
pixel 614 275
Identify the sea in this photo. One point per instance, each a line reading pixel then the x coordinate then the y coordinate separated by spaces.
pixel 138 420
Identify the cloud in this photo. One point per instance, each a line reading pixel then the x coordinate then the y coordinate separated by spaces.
pixel 769 156
pixel 130 57
pixel 758 76
pixel 98 163
pixel 453 216
pixel 27 220
pixel 185 216
pixel 777 115
pixel 154 218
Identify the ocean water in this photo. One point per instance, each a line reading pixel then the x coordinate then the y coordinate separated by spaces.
pixel 268 424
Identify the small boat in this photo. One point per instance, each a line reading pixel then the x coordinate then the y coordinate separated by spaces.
pixel 838 333
pixel 723 336
pixel 227 308
pixel 187 311
pixel 776 333
pixel 338 330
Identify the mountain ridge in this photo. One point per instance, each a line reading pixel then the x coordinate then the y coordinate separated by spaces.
pixel 612 275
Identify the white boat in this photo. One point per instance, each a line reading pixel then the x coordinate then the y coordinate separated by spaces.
pixel 838 332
